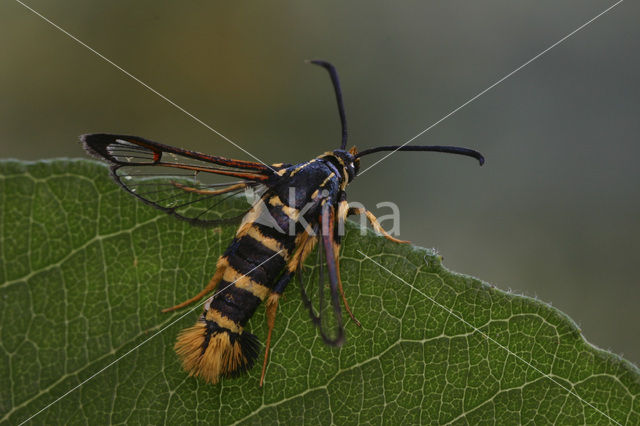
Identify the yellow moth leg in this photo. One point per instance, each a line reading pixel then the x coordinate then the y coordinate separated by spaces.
pixel 272 307
pixel 344 299
pixel 375 224
pixel 209 191
pixel 220 267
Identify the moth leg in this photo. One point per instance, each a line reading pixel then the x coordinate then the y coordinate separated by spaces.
pixel 209 191
pixel 272 307
pixel 220 267
pixel 374 223
pixel 344 299
pixel 343 212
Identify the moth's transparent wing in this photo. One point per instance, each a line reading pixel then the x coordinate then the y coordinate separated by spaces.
pixel 189 185
pixel 320 293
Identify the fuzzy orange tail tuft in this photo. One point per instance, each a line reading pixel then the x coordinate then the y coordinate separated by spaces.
pixel 210 351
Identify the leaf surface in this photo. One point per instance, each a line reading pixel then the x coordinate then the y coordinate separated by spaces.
pixel 85 270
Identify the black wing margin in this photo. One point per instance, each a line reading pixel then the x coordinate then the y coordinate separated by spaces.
pixel 187 184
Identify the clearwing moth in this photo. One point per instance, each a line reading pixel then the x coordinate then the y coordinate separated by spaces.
pixel 304 204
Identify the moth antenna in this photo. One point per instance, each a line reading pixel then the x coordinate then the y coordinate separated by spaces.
pixel 336 87
pixel 436 148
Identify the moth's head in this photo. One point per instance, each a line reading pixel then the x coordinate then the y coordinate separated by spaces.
pixel 347 160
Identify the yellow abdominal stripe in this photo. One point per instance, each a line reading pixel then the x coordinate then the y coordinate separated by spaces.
pixel 268 242
pixel 244 282
pixel 222 321
pixel 221 357
pixel 253 287
pixel 291 212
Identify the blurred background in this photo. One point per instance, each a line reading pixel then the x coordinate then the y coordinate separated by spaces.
pixel 554 213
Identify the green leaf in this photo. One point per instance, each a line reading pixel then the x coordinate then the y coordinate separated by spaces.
pixel 85 270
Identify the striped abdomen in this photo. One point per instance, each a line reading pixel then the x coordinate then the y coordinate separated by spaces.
pixel 218 345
